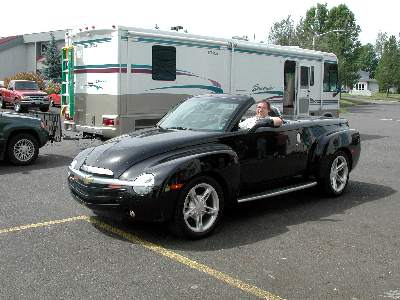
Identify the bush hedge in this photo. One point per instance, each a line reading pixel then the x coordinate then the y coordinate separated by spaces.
pixel 27 76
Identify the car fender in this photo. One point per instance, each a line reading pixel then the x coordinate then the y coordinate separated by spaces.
pixel 174 172
pixel 326 145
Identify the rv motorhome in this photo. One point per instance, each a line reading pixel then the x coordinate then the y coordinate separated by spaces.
pixel 121 79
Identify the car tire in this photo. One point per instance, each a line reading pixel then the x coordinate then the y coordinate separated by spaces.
pixel 17 107
pixel 22 149
pixel 2 102
pixel 194 217
pixel 44 109
pixel 336 172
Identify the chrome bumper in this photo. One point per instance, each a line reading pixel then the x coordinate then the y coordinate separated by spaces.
pixel 89 179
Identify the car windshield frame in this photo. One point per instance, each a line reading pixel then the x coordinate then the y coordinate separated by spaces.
pixel 188 108
pixel 26 85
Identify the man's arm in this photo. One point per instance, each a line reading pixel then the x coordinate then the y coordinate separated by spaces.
pixel 276 116
pixel 277 121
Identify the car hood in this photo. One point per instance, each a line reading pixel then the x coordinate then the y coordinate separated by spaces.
pixel 125 151
pixel 18 117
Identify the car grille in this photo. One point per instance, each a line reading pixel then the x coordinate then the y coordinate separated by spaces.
pixel 95 193
pixel 36 97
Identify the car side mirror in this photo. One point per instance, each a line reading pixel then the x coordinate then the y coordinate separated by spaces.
pixel 267 122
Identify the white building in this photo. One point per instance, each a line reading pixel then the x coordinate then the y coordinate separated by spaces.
pixel 365 85
pixel 24 53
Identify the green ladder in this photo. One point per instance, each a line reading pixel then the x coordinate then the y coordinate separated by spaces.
pixel 67 85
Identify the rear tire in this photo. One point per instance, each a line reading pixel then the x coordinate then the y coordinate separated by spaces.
pixel 22 149
pixel 44 109
pixel 335 174
pixel 199 208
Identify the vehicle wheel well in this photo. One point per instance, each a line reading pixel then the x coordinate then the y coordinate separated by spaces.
pixel 221 181
pixel 328 115
pixel 349 156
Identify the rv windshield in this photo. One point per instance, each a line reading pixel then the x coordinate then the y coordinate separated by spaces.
pixel 26 85
pixel 206 114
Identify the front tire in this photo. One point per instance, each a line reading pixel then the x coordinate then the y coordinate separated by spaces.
pixel 17 107
pixel 199 208
pixel 2 102
pixel 23 149
pixel 336 174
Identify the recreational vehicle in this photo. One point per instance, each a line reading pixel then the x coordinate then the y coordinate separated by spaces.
pixel 120 79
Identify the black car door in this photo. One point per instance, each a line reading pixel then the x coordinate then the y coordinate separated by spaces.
pixel 267 155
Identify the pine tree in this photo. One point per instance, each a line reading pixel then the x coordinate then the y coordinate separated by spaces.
pixel 52 71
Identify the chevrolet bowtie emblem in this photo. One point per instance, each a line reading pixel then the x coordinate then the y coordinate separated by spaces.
pixel 88 179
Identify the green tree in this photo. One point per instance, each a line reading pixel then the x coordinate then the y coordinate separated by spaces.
pixel 367 60
pixel 283 33
pixel 388 71
pixel 381 39
pixel 314 23
pixel 52 71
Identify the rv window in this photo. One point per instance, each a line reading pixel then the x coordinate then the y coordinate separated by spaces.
pixel 330 77
pixel 164 63
pixel 312 76
pixel 304 78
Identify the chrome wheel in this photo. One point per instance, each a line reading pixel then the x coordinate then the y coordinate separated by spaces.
pixel 339 174
pixel 201 207
pixel 24 150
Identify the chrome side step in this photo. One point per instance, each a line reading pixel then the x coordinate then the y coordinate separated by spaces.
pixel 277 192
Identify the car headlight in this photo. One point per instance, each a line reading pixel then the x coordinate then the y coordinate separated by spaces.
pixel 46 98
pixel 143 184
pixel 25 97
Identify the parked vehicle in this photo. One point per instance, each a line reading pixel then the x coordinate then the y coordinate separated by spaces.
pixel 55 100
pixel 197 161
pixel 21 137
pixel 22 95
pixel 123 79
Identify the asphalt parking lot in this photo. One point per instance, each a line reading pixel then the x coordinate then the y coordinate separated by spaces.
pixel 296 246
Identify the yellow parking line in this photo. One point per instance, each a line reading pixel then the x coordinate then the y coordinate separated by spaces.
pixel 234 282
pixel 36 225
pixel 251 289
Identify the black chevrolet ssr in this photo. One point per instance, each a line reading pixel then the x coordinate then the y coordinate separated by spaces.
pixel 197 161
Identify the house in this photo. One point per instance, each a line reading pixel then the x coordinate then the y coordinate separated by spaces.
pixel 365 85
pixel 24 53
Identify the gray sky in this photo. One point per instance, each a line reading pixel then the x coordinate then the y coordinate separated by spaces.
pixel 213 18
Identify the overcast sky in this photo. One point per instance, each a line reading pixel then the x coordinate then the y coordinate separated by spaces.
pixel 213 18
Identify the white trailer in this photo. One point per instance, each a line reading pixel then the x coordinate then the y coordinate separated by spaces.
pixel 122 79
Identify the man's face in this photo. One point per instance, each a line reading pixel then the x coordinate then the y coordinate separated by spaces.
pixel 261 110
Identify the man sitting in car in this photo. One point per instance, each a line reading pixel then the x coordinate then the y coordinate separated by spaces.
pixel 263 111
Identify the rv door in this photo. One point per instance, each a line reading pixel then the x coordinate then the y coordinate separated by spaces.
pixel 303 96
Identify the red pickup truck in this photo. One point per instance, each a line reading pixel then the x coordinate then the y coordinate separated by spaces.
pixel 22 95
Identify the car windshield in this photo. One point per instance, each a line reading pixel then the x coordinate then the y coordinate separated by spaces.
pixel 26 85
pixel 208 114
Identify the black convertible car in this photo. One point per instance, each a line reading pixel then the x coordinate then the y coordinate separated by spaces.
pixel 197 161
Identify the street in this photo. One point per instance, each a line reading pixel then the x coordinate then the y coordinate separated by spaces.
pixel 297 246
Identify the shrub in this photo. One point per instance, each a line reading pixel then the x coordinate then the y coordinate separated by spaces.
pixel 52 88
pixel 26 76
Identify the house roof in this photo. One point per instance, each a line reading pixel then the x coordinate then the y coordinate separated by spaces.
pixel 364 77
pixel 10 41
